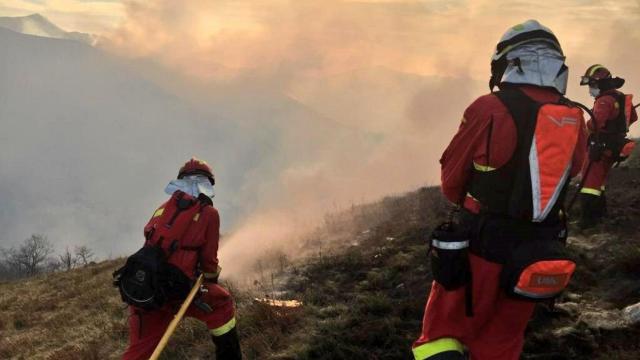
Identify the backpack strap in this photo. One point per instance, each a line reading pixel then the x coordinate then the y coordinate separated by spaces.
pixel 182 204
pixel 523 111
pixel 204 201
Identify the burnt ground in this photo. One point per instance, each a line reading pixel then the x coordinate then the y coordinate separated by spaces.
pixel 365 299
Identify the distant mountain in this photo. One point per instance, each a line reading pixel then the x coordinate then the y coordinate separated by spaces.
pixel 38 25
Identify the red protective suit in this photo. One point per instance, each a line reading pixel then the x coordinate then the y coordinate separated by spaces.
pixel 147 327
pixel 605 109
pixel 496 329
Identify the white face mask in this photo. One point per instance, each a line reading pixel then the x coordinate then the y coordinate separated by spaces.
pixel 594 91
pixel 193 185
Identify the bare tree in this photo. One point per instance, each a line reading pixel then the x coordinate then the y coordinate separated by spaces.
pixel 67 260
pixel 52 265
pixel 83 254
pixel 29 258
pixel 5 271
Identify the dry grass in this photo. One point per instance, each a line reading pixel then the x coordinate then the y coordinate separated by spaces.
pixel 72 315
pixel 78 315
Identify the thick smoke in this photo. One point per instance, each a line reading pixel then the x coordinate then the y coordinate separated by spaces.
pixel 400 72
pixel 339 102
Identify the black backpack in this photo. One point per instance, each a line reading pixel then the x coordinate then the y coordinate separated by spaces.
pixel 148 280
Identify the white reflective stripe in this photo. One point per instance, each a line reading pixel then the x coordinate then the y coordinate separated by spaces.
pixel 534 170
pixel 539 214
pixel 531 295
pixel 556 193
pixel 450 245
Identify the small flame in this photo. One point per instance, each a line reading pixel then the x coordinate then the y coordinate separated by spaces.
pixel 279 303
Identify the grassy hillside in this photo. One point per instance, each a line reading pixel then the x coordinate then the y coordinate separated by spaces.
pixel 367 299
pixel 78 315
pixel 363 287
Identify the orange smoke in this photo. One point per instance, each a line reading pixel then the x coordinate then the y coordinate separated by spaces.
pixel 400 73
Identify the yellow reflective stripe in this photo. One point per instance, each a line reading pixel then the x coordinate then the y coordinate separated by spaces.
pixel 594 69
pixel 483 168
pixel 595 192
pixel 435 347
pixel 219 331
pixel 158 212
pixel 506 50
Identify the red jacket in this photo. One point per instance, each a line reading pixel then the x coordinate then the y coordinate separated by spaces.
pixel 201 239
pixel 469 145
pixel 605 109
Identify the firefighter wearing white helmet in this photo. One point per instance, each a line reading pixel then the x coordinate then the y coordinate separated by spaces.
pixel 529 53
pixel 507 169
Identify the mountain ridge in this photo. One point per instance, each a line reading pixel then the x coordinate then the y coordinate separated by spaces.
pixel 38 25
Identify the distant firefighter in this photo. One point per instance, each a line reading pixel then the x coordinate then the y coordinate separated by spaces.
pixel 181 243
pixel 608 144
pixel 507 170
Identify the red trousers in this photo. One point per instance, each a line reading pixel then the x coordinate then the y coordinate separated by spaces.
pixel 147 327
pixel 595 180
pixel 494 332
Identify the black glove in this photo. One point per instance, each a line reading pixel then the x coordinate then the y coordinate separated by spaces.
pixel 596 149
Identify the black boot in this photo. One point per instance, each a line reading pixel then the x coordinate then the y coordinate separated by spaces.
pixel 591 210
pixel 603 205
pixel 448 355
pixel 228 346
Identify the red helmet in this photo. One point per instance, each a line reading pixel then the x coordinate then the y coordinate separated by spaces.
pixel 196 166
pixel 594 74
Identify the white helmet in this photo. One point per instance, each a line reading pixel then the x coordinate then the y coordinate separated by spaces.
pixel 529 53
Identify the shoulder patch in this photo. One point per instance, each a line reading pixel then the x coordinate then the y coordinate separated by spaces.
pixel 158 212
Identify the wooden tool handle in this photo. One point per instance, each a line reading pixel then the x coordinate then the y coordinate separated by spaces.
pixel 176 319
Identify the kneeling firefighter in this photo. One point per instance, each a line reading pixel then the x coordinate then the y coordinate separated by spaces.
pixel 181 243
pixel 507 168
pixel 613 112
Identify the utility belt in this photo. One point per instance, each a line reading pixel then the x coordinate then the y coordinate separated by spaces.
pixel 536 265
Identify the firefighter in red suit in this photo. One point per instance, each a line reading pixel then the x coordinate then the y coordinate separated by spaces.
pixel 198 252
pixel 613 113
pixel 529 59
